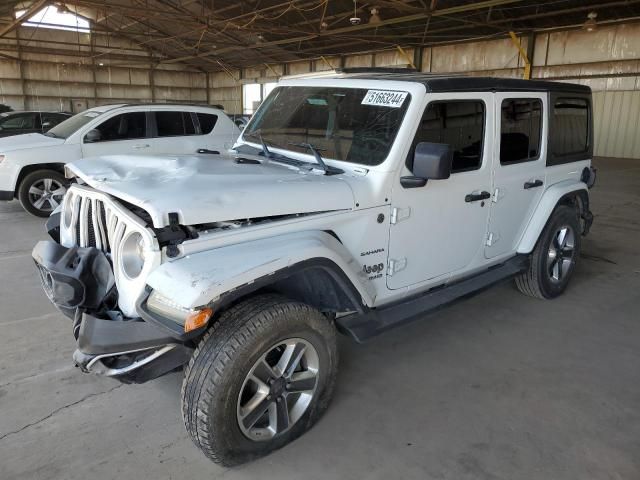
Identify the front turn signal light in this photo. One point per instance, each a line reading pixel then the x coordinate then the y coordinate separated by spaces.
pixel 197 319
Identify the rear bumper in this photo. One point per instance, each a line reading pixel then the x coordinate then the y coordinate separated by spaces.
pixel 6 195
pixel 79 282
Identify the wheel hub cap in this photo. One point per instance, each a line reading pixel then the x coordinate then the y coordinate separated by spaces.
pixel 278 389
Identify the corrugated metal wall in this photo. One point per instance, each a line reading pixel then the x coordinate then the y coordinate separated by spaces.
pixel 617 123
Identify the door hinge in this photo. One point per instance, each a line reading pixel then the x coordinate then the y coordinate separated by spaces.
pixel 399 214
pixel 396 265
pixel 492 239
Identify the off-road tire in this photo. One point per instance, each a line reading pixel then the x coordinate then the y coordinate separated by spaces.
pixel 216 372
pixel 536 281
pixel 32 178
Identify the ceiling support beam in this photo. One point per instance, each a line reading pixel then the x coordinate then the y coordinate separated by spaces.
pixel 362 26
pixel 523 55
pixel 34 8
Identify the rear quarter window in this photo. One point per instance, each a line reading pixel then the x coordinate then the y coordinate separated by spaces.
pixel 570 133
pixel 207 122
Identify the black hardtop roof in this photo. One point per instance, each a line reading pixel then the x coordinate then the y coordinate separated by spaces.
pixel 460 83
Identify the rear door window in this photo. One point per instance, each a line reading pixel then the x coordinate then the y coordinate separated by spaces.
pixel 520 130
pixel 174 124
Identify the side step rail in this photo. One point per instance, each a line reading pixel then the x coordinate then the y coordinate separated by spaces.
pixel 364 326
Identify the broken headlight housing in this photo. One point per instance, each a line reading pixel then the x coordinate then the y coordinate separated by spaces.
pixel 165 307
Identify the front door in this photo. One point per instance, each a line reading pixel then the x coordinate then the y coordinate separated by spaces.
pixel 439 229
pixel 125 133
pixel 519 169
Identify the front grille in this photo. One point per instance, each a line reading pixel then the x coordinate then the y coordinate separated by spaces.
pixel 96 224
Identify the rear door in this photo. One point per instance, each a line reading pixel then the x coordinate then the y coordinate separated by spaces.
pixel 519 168
pixel 174 133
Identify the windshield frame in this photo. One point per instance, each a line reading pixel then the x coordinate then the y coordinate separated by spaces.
pixel 308 156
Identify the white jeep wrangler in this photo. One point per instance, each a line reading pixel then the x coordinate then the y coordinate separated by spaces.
pixel 353 202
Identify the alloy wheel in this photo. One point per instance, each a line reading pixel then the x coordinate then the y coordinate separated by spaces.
pixel 278 389
pixel 46 194
pixel 560 257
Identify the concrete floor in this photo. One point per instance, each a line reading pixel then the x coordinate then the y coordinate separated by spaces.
pixel 501 386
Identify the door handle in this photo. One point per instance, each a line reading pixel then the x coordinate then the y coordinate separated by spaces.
pixel 474 197
pixel 533 184
pixel 137 147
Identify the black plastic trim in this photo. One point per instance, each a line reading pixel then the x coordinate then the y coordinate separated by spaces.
pixel 176 330
pixel 99 336
pixel 324 264
pixel 85 272
pixel 6 195
pixel 361 327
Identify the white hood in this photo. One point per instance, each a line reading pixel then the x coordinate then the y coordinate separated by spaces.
pixel 210 188
pixel 28 140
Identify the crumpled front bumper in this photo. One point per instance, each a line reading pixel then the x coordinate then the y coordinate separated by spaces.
pixel 79 282
pixel 131 350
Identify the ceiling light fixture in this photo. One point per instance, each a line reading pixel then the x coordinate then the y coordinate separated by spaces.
pixel 590 25
pixel 355 20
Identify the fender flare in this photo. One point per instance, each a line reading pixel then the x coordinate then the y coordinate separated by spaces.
pixel 547 204
pixel 217 277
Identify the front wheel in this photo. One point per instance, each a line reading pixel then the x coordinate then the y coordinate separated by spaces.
pixel 41 192
pixel 554 257
pixel 261 376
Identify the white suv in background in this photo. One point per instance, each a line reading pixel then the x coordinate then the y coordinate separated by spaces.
pixel 32 166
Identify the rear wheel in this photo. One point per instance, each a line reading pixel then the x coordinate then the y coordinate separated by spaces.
pixel 40 192
pixel 554 258
pixel 262 376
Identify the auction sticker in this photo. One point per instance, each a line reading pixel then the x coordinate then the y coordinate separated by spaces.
pixel 384 98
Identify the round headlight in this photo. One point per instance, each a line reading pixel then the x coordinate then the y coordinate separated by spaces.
pixel 132 255
pixel 68 209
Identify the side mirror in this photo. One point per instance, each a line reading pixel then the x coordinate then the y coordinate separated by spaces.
pixel 47 125
pixel 431 161
pixel 92 136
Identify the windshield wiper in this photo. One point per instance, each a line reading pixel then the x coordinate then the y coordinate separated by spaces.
pixel 316 153
pixel 49 134
pixel 265 149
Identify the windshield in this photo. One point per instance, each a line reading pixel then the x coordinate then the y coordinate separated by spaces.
pixel 349 124
pixel 71 125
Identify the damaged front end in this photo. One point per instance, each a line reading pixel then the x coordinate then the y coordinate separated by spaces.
pixel 80 282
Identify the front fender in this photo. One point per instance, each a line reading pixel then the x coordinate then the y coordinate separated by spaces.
pixel 203 277
pixel 543 211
